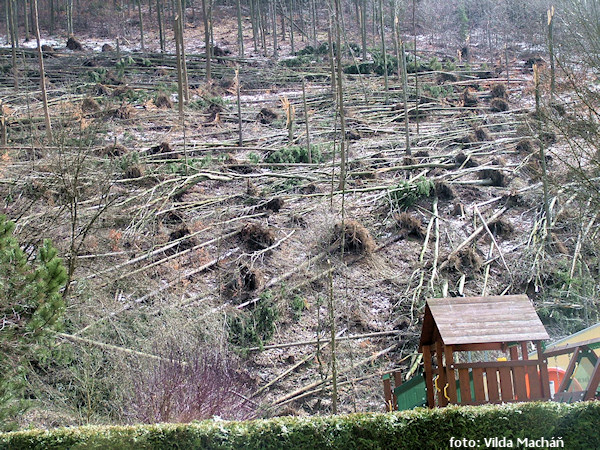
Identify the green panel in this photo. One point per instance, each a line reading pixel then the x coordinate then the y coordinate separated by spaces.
pixel 411 394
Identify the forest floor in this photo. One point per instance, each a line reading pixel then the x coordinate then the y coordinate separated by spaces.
pixel 178 233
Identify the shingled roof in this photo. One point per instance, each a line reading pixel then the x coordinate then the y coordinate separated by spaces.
pixel 479 320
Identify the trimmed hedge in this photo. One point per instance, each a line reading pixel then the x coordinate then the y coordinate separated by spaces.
pixel 417 429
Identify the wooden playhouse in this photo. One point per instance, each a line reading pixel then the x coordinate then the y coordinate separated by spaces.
pixel 476 350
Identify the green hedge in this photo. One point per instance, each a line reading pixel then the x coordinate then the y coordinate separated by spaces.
pixel 417 429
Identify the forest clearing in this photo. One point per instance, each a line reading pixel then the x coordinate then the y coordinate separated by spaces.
pixel 253 231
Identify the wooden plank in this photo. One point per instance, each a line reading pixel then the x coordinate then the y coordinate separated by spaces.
pixel 594 382
pixel 497 364
pixel 397 382
pixel 535 388
pixel 544 377
pixel 568 348
pixel 492 384
pixel 465 386
pixel 478 385
pixel 564 384
pixel 439 353
pixel 524 351
pixel 519 383
pixel 506 384
pixel 428 377
pixel 450 375
pixel 478 347
pixel 387 392
pixel 514 353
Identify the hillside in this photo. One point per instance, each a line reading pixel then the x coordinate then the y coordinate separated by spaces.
pixel 206 236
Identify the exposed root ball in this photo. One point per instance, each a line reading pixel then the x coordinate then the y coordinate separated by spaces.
pixel 163 151
pixel 498 91
pixel 107 48
pixel 163 102
pixel 47 49
pixel 482 135
pixel 184 244
pixel 242 281
pixel 468 99
pixel 73 44
pixel 409 161
pixel 422 154
pixel 466 259
pixel 465 160
pixel 113 151
pixel 559 108
pixel 530 62
pixel 356 237
pixel 525 146
pixel 501 227
pixel 102 90
pixel 275 204
pixel 257 237
pixel 124 112
pixel 267 116
pixel 444 191
pixel 497 177
pixel 135 171
pixel 353 135
pixel 219 52
pixel 446 76
pixel 548 137
pixel 498 105
pixel 410 225
pixel 213 112
pixel 89 105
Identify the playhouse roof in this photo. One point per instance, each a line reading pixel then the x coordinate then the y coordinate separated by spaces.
pixel 481 320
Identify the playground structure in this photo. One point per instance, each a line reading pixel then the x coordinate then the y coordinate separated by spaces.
pixel 476 351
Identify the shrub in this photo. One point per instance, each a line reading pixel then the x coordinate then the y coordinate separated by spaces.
pixel 254 327
pixel 417 429
pixel 407 193
pixel 295 154
pixel 31 308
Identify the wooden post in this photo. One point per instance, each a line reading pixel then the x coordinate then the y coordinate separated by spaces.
pixel 594 382
pixel 428 376
pixel 387 392
pixel 450 375
pixel 439 353
pixel 569 372
pixel 524 352
pixel 544 377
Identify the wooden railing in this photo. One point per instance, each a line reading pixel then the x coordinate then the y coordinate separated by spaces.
pixel 497 382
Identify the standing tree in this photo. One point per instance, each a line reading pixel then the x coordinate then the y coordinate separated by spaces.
pixel 30 309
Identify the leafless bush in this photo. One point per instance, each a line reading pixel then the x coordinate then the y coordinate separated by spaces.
pixel 191 384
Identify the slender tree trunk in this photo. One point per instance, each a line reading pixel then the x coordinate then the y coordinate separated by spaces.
pixel 405 98
pixel 186 88
pixel 139 5
pixel 26 11
pixel 274 23
pixel 340 92
pixel 417 95
pixel 253 22
pixel 180 96
pixel 308 149
pixel 13 45
pixel 161 32
pixel 332 342
pixel 538 111
pixel 239 106
pixel 384 50
pixel 240 30
pixel 206 5
pixel 551 52
pixel 42 72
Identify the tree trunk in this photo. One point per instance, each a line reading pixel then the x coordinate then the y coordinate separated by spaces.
pixel 206 5
pixel 139 4
pixel 42 72
pixel 240 30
